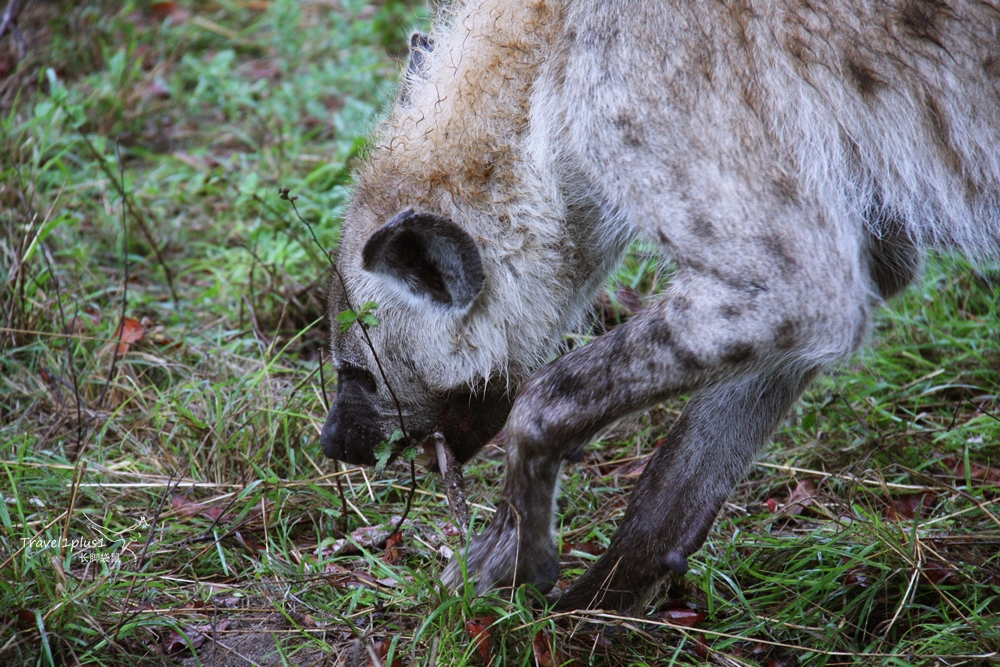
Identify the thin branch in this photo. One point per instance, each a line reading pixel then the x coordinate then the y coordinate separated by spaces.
pixel 340 486
pixel 136 213
pixel 142 555
pixel 283 192
pixel 9 24
pixel 121 322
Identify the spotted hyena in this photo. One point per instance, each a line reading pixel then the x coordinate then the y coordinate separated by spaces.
pixel 792 158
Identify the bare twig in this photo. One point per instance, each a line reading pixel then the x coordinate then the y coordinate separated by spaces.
pixel 983 410
pixel 8 23
pixel 326 405
pixel 137 215
pixel 62 322
pixel 142 554
pixel 454 484
pixel 121 322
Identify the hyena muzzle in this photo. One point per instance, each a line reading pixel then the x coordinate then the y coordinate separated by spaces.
pixel 793 159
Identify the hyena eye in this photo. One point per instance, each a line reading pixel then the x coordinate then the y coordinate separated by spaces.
pixel 357 374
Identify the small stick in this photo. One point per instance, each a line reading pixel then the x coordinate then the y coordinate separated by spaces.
pixel 9 24
pixel 454 484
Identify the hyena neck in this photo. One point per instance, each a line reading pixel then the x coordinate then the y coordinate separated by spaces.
pixel 459 137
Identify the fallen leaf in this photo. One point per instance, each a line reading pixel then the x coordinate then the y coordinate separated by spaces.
pixel 909 507
pixel 856 576
pixel 155 89
pixel 977 472
pixel 212 513
pixel 541 645
pixel 630 300
pixel 629 468
pixel 251 545
pixel 175 641
pixel 184 505
pixel 381 649
pixel 938 573
pixel 700 647
pixel 229 602
pixel 81 323
pixel 803 496
pixel 392 548
pixel 479 630
pixel 681 614
pixel 25 619
pixel 365 579
pixel 129 331
pixel 366 537
pixel 169 10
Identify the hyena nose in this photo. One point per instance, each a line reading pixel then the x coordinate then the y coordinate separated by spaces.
pixel 331 440
pixel 350 433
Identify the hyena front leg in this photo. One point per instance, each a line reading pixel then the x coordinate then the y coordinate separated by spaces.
pixel 743 343
pixel 684 485
pixel 517 547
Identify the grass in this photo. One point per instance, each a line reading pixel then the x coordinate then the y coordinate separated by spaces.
pixel 868 532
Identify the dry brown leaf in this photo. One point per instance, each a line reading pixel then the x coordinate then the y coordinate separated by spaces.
pixel 479 630
pixel 541 645
pixel 129 331
pixel 909 507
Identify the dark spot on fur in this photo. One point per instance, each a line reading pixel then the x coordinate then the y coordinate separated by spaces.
pixel 786 335
pixel 941 131
pixel 991 64
pixel 864 78
pixel 631 131
pixel 731 312
pixel 922 19
pixel 662 335
pixel 750 285
pixel 688 360
pixel 776 247
pixel 702 227
pixel 563 382
pixel 786 188
pixel 680 304
pixel 738 353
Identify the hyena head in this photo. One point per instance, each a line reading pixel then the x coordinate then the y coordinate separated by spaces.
pixel 459 234
pixel 426 360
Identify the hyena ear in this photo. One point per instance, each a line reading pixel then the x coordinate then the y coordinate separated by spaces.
pixel 420 45
pixel 430 256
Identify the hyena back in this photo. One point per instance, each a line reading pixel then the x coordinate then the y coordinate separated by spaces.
pixel 793 159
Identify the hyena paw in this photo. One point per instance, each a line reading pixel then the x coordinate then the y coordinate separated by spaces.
pixel 621 583
pixel 497 558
